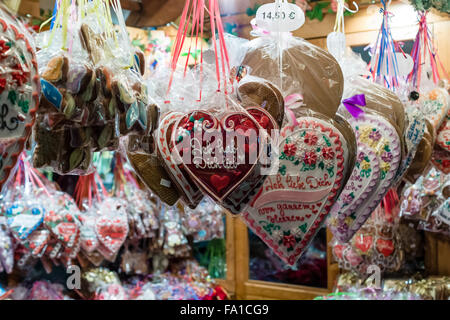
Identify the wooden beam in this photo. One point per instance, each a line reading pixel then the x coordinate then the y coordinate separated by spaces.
pixel 131 5
pixel 155 13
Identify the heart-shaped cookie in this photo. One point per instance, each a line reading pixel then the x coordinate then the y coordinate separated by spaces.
pixel 443 134
pixel 88 237
pixel 23 219
pixel 359 188
pixel 290 207
pixel 37 242
pixel 64 226
pixel 353 258
pixel 257 92
pixel 385 247
pixel 19 93
pixel 242 195
pixel 413 135
pixel 219 155
pixel 435 106
pixel 363 243
pixel 148 166
pixel 381 137
pixel 441 159
pixel 112 230
pixel 191 194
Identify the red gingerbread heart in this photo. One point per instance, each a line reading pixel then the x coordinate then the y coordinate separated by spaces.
pixel 215 152
pixel 338 250
pixel 112 231
pixel 385 247
pixel 363 242
pixel 64 226
pixel 245 192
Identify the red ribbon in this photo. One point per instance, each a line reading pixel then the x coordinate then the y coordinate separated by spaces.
pixel 194 15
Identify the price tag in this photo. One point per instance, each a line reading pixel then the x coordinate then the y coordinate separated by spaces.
pixel 280 17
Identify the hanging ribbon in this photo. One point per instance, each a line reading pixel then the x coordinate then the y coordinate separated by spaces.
pixel 193 15
pixel 87 188
pixel 383 54
pixel 339 22
pixel 352 105
pixel 423 48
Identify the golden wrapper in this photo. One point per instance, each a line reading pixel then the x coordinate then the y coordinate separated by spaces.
pixel 396 285
pixel 428 289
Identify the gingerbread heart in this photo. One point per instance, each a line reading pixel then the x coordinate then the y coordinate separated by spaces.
pixel 257 92
pixel 435 106
pixel 19 93
pixel 207 149
pixel 65 227
pixel 338 250
pixel 37 242
pixel 443 134
pixel 242 195
pixel 380 136
pixel 112 230
pixel 149 167
pixel 359 188
pixel 191 194
pixel 413 135
pixel 385 247
pixel 23 219
pixel 88 237
pixel 441 159
pixel 352 257
pixel 290 207
pixel 363 243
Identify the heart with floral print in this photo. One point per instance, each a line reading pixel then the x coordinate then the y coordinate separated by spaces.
pixel 19 92
pixel 378 135
pixel 220 155
pixel 290 207
pixel 359 188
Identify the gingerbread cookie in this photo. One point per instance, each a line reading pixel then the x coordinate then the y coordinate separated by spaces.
pixel 19 92
pixel 142 155
pixel 308 70
pixel 191 194
pixel 291 206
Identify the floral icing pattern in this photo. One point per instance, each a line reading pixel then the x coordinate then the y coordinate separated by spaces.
pixel 291 205
pixel 363 181
pixel 308 151
pixel 381 138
